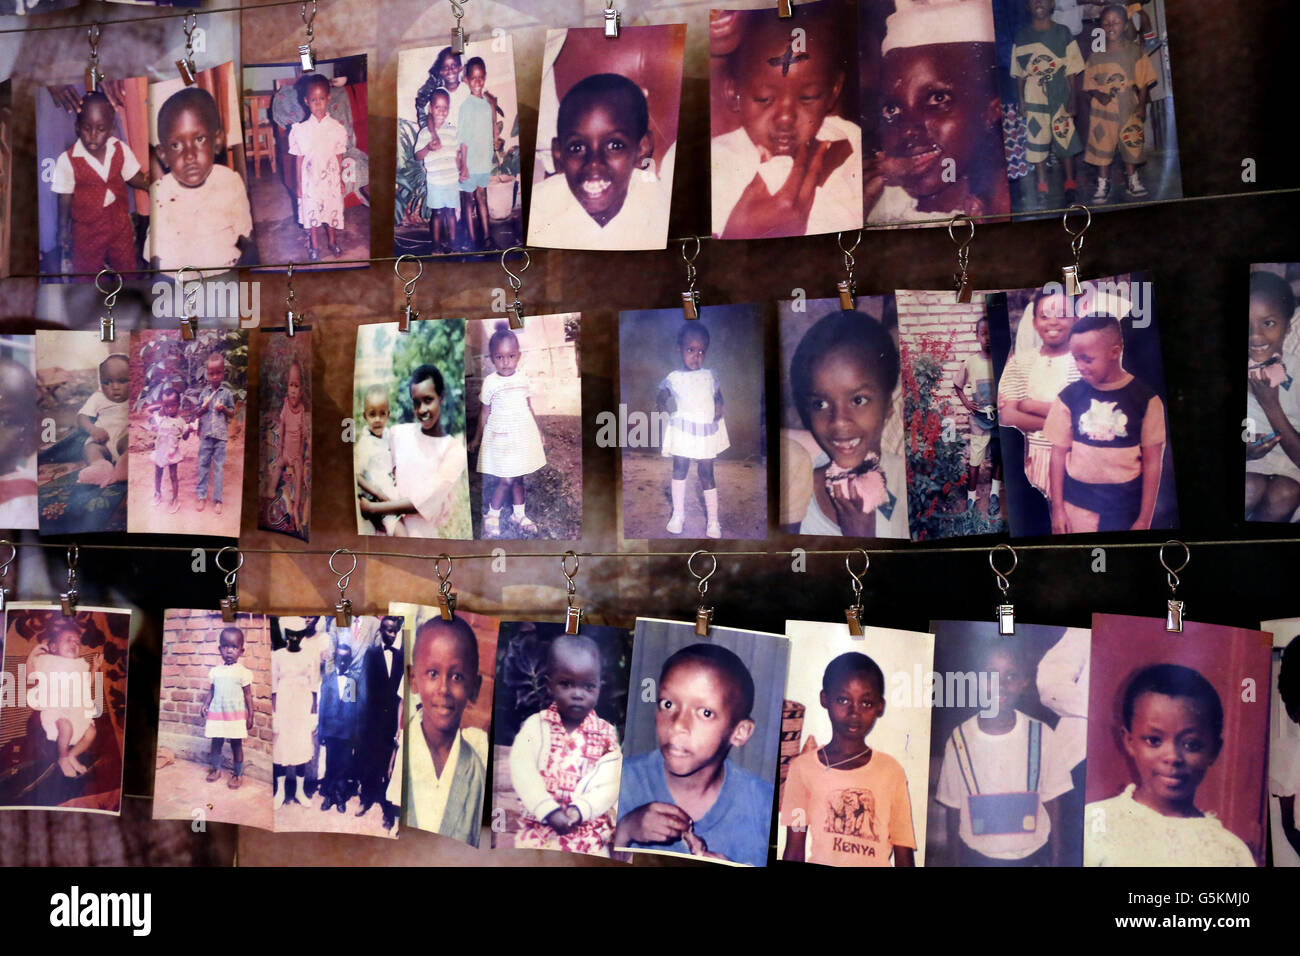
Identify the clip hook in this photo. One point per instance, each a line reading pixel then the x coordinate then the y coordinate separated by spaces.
pixel 963 255
pixel 572 613
pixel 785 9
pixel 691 297
pixel 4 570
pixel 230 603
pixel 291 318
pixel 446 596
pixel 343 609
pixel 848 287
pixel 107 328
pixel 306 55
pixel 185 65
pixel 1070 274
pixel 1006 614
pixel 703 613
pixel 613 19
pixel 93 73
pixel 68 598
pixel 1174 609
pixel 458 31
pixel 189 321
pixel 853 614
pixel 408 313
pixel 516 283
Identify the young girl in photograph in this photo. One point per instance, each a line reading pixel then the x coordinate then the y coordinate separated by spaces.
pixel 169 431
pixel 1272 403
pixel 319 142
pixel 295 698
pixel 508 439
pixel 841 377
pixel 696 430
pixel 228 711
pixel 292 432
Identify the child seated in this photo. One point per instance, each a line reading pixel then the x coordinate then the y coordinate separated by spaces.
pixel 1108 438
pixel 1173 733
pixel 104 419
pixel 68 714
pixel 372 458
pixel 685 797
pixel 565 761
pixel 18 444
pixel 854 801
pixel 1272 403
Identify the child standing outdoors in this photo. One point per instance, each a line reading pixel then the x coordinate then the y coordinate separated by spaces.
pixel 216 407
pixel 1272 403
pixel 295 693
pixel 1118 81
pixel 319 142
pixel 436 146
pixel 91 180
pixel 1108 438
pixel 508 436
pixel 169 430
pixel 977 372
pixel 105 415
pixel 1046 62
pixel 228 711
pixel 292 431
pixel 476 128
pixel 696 429
pixel 854 802
pixel 565 761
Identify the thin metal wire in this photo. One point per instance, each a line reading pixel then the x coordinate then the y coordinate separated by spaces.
pixel 238 8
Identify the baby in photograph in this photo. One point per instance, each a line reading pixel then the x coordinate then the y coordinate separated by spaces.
pixel 846 804
pixel 1272 403
pixel 19 440
pixel 216 408
pixel 319 143
pixel 104 418
pixel 68 714
pixel 793 167
pixel 228 710
pixel 91 179
pixel 565 761
pixel 1108 438
pixel 508 439
pixel 436 146
pixel 200 212
pixel 289 461
pixel 691 398
pixel 1173 733
pixel 372 458
pixel 685 796
pixel 169 431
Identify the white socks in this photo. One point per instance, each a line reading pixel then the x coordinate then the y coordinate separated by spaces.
pixel 713 530
pixel 278 801
pixel 678 520
pixel 518 511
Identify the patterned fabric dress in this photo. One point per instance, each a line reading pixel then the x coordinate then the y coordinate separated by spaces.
pixel 1117 125
pixel 320 143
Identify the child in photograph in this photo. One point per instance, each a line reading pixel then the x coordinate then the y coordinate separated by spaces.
pixel 793 167
pixel 295 690
pixel 685 796
pixel 104 418
pixel 1173 733
pixel 228 710
pixel 606 194
pixel 1118 81
pixel 68 715
pixel 1108 438
pixel 436 146
pixel 18 445
pixel 319 142
pixel 169 431
pixel 565 761
pixel 1046 62
pixel 508 439
pixel 696 430
pixel 200 213
pixel 342 703
pixel 446 763
pixel 842 374
pixel 977 372
pixel 1284 756
pixel 476 129
pixel 1272 403
pixel 372 457
pixel 293 429
pixel 216 408
pixel 445 74
pixel 91 179
pixel 1002 776
pixel 851 800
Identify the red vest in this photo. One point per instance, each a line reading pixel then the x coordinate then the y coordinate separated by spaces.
pixel 89 190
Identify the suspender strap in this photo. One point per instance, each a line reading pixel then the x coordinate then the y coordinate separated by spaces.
pixel 1035 756
pixel 964 762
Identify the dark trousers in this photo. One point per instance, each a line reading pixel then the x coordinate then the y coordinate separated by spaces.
pixel 340 767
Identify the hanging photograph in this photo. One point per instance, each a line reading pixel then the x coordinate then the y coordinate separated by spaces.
pixel 1284 742
pixel 1082 408
pixel 954 455
pixel 843 470
pixel 188 422
pixel 855 746
pixel 83 387
pixel 61 738
pixel 214 719
pixel 786 149
pixel 1271 428
pixel 458 187
pixel 606 138
pixel 409 461
pixel 690 423
pixel 558 727
pixel 451 668
pixel 524 413
pixel 93 195
pixel 19 433
pixel 1177 744
pixel 284 433
pixel 701 753
pixel 6 171
pixel 307 155
pixel 1007 744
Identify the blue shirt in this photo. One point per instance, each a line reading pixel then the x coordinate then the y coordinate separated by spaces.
pixel 737 825
pixel 212 423
pixel 474 127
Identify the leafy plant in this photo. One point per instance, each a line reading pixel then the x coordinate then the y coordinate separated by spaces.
pixel 409 200
pixel 442 345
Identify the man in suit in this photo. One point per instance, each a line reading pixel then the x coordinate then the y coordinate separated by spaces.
pixel 381 669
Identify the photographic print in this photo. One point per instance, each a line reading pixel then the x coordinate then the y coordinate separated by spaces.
pixel 200 214
pixel 284 433
pixel 64 708
pixel 954 455
pixel 1272 396
pixel 607 138
pixel 451 678
pixel 1284 742
pixel 84 386
pixel 6 170
pixel 213 717
pixel 558 726
pixel 93 196
pixel 701 753
pixel 1081 408
pixel 691 417
pixel 842 424
pixel 188 423
pixel 458 187
pixel 409 460
pixel 855 746
pixel 306 146
pixel 19 433
pixel 1177 744
pixel 1007 745
pixel 786 149
pixel 524 411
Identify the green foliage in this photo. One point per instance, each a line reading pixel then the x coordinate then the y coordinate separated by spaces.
pixel 411 182
pixel 437 343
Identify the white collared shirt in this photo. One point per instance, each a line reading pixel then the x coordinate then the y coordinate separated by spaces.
pixel 65 180
pixel 426 790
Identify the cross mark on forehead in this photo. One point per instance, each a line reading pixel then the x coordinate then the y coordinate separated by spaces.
pixel 787 59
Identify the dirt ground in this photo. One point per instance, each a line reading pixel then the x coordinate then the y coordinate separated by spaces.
pixel 554 493
pixel 648 504
pixel 144 516
pixel 280 238
pixel 180 790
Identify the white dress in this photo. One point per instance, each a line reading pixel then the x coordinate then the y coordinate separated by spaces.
pixel 512 442
pixel 691 431
pixel 294 679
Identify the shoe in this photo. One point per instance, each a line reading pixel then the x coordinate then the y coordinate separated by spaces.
pixel 326 805
pixel 216 507
pixel 212 776
pixel 994 505
pixel 235 782
pixel 526 525
pixel 157 498
pixel 335 251
pixel 313 255
pixel 278 800
pixel 1135 188
pixel 390 819
pixel 341 806
pixel 365 808
pixel 1103 190
pixel 676 523
pixel 175 507
pixel 492 526
pixel 201 505
pixel 714 530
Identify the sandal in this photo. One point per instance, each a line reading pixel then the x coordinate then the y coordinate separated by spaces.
pixel 212 775
pixel 492 526
pixel 526 525
pixel 235 782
